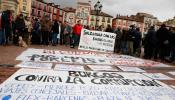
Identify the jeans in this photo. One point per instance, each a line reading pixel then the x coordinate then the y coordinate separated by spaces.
pixel 124 47
pixel 54 38
pixel 2 37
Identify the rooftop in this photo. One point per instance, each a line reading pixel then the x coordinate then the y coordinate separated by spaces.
pixel 93 12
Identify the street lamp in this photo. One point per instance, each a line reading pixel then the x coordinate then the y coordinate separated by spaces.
pixel 97 7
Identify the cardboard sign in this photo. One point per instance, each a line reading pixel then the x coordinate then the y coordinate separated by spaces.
pixel 66 67
pixel 101 68
pixel 97 41
pixel 35 65
pixel 130 69
pixel 42 55
pixel 158 76
pixel 33 84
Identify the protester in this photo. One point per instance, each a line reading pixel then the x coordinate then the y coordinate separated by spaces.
pixel 19 28
pixel 163 41
pixel 55 32
pixel 118 33
pixel 67 33
pixel 150 43
pixel 28 29
pixel 172 45
pixel 36 35
pixel 46 26
pixel 1 31
pixel 124 41
pixel 131 39
pixel 137 42
pixel 62 33
pixel 76 33
pixel 6 24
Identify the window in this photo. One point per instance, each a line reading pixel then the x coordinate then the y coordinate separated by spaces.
pixel 33 11
pixel 109 20
pixel 103 20
pixel 24 8
pixel 33 3
pixel 92 18
pixel 61 13
pixel 45 8
pixel 24 0
pixel 39 13
pixel 49 9
pixel 40 6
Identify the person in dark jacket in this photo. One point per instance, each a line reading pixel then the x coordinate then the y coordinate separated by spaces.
pixel 172 46
pixel 19 27
pixel 137 42
pixel 163 41
pixel 36 35
pixel 124 41
pixel 6 22
pixel 150 43
pixel 118 33
pixel 131 39
pixel 55 31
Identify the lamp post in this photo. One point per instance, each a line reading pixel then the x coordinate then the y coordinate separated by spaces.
pixel 97 7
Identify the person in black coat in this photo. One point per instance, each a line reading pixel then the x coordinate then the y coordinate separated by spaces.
pixel 150 43
pixel 55 31
pixel 163 41
pixel 172 46
pixel 20 25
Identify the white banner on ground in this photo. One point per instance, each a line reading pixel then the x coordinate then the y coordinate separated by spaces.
pixel 130 69
pixel 102 68
pixel 35 65
pixel 97 41
pixel 158 76
pixel 172 73
pixel 33 84
pixel 66 67
pixel 42 55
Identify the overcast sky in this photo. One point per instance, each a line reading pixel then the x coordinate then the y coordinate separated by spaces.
pixel 162 9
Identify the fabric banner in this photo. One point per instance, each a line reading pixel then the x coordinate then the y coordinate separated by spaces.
pixel 39 65
pixel 34 84
pixel 97 41
pixel 158 76
pixel 130 69
pixel 66 67
pixel 56 56
pixel 101 68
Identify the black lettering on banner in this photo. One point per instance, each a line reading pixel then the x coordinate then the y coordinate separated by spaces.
pixel 34 56
pixel 75 80
pixel 37 78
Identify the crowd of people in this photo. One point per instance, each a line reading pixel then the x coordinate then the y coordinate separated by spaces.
pixel 158 44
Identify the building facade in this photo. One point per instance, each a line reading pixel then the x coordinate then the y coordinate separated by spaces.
pixel 124 22
pixel 87 16
pixel 102 19
pixel 24 7
pixel 9 5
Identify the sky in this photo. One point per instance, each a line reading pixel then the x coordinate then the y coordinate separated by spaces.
pixel 162 9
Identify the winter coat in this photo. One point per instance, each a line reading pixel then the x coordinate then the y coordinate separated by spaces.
pixel 55 28
pixel 162 35
pixel 46 25
pixel 150 38
pixel 77 29
pixel 131 35
pixel 20 24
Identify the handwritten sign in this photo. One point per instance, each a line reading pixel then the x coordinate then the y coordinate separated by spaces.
pixel 130 69
pixel 56 56
pixel 35 65
pixel 158 76
pixel 30 84
pixel 101 68
pixel 97 41
pixel 66 67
